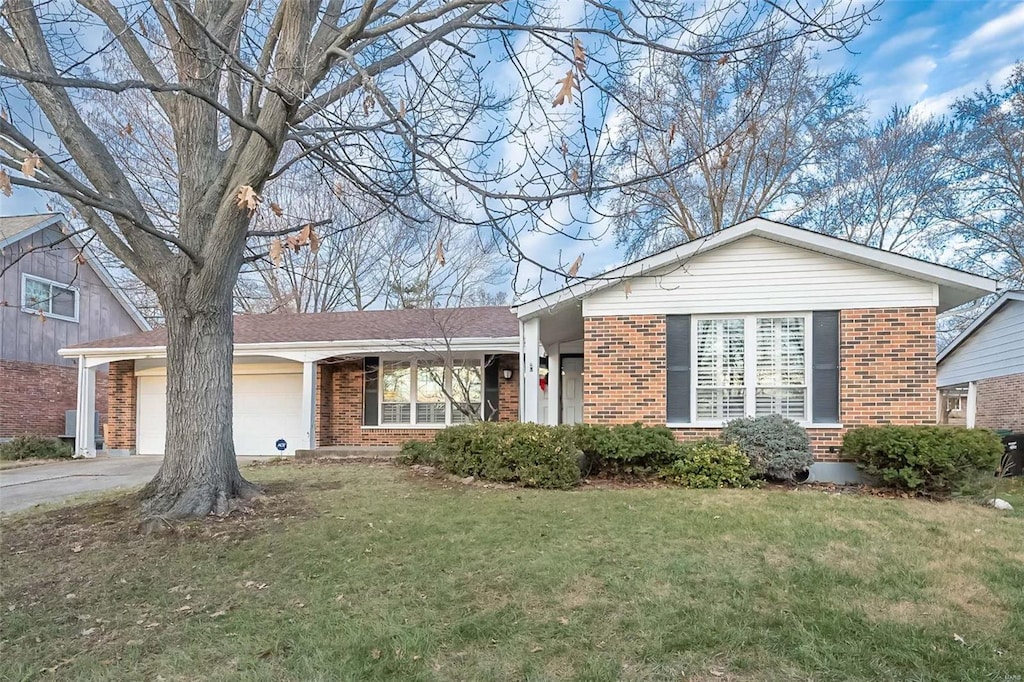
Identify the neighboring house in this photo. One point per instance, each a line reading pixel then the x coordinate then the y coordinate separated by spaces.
pixel 756 319
pixel 53 293
pixel 980 375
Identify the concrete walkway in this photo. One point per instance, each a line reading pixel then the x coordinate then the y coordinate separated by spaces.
pixel 25 487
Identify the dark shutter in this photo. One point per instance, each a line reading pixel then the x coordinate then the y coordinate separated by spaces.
pixel 371 391
pixel 825 367
pixel 677 358
pixel 492 388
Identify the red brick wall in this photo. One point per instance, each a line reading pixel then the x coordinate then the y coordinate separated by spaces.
pixel 121 392
pixel 35 396
pixel 887 373
pixel 340 407
pixel 1001 403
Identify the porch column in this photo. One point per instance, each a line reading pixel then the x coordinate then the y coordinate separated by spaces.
pixel 529 366
pixel 308 406
pixel 972 403
pixel 554 387
pixel 85 412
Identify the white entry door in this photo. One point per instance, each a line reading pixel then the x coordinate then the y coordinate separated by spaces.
pixel 267 408
pixel 572 390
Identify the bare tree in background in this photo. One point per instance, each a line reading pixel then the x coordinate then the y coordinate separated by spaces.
pixel 754 123
pixel 886 186
pixel 391 96
pixel 986 207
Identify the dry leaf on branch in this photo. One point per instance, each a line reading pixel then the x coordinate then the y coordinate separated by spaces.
pixel 723 59
pixel 80 258
pixel 579 56
pixel 5 183
pixel 575 267
pixel 314 241
pixel 276 209
pixel 574 175
pixel 368 105
pixel 303 237
pixel 565 91
pixel 127 130
pixel 628 288
pixel 565 148
pixel 31 164
pixel 671 132
pixel 439 253
pixel 275 252
pixel 247 198
pixel 401 108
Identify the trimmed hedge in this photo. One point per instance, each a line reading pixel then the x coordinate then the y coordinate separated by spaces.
pixel 709 464
pixel 35 447
pixel 937 460
pixel 630 449
pixel 778 448
pixel 531 455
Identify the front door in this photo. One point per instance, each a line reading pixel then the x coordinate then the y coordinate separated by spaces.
pixel 572 390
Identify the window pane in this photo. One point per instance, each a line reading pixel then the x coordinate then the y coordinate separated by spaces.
pixel 781 351
pixel 459 413
pixel 36 295
pixel 430 399
pixel 720 353
pixel 395 382
pixel 63 302
pixel 396 393
pixel 789 402
pixel 467 383
pixel 720 403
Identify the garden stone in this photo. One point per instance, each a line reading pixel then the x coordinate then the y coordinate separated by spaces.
pixel 1000 504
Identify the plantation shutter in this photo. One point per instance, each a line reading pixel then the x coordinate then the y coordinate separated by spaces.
pixel 677 359
pixel 825 367
pixel 492 392
pixel 371 391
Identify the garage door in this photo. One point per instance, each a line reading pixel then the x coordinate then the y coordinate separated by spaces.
pixel 268 407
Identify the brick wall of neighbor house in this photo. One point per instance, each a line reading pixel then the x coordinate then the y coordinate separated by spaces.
pixel 35 396
pixel 121 392
pixel 887 372
pixel 1001 403
pixel 340 407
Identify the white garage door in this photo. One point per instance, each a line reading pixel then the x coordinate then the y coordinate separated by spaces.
pixel 268 408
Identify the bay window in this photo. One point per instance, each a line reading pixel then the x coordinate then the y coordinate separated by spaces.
pixel 430 393
pixel 750 365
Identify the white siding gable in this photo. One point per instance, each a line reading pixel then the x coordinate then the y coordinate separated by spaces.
pixel 995 349
pixel 755 274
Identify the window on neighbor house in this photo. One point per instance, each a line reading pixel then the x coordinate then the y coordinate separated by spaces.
pixel 429 393
pixel 50 298
pixel 751 365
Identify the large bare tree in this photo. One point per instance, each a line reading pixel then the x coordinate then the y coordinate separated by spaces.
pixel 755 122
pixel 398 98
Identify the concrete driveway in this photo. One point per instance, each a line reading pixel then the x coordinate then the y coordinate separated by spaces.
pixel 26 487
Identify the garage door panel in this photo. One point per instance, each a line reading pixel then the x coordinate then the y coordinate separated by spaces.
pixel 267 407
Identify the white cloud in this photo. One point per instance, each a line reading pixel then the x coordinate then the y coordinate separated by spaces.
pixel 992 34
pixel 902 40
pixel 940 103
pixel 902 86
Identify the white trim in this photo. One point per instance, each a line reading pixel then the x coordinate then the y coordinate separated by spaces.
pixel 431 427
pixel 980 320
pixel 25 277
pixel 306 351
pixel 787 234
pixel 972 405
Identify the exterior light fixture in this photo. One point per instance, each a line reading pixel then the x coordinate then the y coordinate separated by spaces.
pixel 507 373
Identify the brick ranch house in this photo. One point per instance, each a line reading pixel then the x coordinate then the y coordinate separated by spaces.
pixel 981 372
pixel 759 318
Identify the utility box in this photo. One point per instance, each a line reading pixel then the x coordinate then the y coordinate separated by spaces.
pixel 1013 455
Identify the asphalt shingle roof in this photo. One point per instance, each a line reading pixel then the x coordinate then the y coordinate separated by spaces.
pixel 16 224
pixel 439 323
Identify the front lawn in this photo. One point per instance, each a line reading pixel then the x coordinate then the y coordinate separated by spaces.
pixel 371 572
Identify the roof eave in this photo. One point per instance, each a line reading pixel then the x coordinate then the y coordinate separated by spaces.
pixel 1006 297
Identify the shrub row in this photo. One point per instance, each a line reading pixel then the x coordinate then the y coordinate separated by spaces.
pixel 35 447
pixel 938 460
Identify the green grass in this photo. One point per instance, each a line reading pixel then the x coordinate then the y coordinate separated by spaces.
pixel 372 573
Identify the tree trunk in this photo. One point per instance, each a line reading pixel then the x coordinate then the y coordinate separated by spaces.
pixel 199 474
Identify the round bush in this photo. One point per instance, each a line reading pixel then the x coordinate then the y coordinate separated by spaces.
pixel 778 448
pixel 709 464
